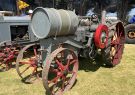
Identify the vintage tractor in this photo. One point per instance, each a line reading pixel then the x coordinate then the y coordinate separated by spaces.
pixel 15 34
pixel 64 36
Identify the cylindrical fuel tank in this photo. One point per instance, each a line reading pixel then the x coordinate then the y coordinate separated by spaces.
pixel 48 22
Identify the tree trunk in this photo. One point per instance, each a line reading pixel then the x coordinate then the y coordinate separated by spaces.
pixel 122 8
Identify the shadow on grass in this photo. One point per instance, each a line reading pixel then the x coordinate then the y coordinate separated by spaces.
pixel 84 64
pixel 87 65
pixel 90 65
pixel 30 79
pixel 49 93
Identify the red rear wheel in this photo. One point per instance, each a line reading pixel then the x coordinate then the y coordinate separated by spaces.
pixel 27 63
pixel 113 53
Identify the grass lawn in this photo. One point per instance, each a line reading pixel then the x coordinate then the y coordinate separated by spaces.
pixel 92 79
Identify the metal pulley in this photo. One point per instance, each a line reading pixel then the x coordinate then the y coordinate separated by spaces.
pixel 101 36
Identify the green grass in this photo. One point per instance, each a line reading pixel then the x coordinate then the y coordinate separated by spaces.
pixel 92 79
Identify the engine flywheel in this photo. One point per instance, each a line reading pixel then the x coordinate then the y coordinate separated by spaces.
pixel 101 36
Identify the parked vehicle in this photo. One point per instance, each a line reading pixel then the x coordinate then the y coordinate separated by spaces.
pixel 63 36
pixel 130 31
pixel 15 34
pixel 52 40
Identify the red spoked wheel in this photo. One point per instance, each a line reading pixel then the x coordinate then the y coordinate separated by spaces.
pixel 8 52
pixel 113 53
pixel 60 71
pixel 27 63
pixel 101 36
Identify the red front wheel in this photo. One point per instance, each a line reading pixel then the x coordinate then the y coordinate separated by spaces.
pixel 60 71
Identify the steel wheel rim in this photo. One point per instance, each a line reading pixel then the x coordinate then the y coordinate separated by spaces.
pixel 27 70
pixel 47 68
pixel 118 45
pixel 131 34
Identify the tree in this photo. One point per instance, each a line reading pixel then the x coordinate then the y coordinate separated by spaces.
pixel 122 7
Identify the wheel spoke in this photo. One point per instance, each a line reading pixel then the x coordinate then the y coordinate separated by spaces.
pixel 32 74
pixel 25 62
pixel 55 79
pixel 71 72
pixel 68 63
pixel 35 53
pixel 73 62
pixel 118 52
pixel 61 66
pixel 35 70
pixel 25 69
pixel 63 82
pixel 115 42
